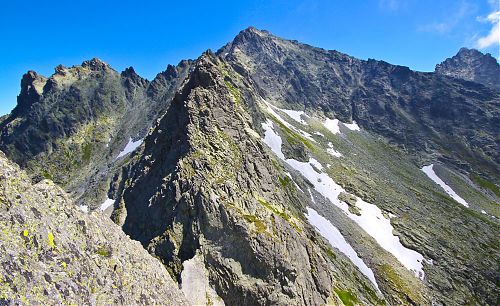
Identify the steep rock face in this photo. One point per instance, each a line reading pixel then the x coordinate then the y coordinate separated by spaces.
pixel 51 253
pixel 205 186
pixel 472 65
pixel 420 112
pixel 71 126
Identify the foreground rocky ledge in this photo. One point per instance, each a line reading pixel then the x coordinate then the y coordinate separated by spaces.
pixel 52 253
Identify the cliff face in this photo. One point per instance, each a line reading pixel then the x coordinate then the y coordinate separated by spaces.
pixel 472 65
pixel 52 253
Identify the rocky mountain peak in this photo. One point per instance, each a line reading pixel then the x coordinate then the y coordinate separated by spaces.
pixel 33 81
pixel 472 65
pixel 466 52
pixel 162 80
pixel 60 69
pixel 95 64
pixel 170 69
pixel 129 72
pixel 205 70
pixel 64 77
pixel 254 30
pixel 250 34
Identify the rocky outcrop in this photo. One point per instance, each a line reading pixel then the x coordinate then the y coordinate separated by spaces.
pixel 52 253
pixel 472 65
pixel 32 85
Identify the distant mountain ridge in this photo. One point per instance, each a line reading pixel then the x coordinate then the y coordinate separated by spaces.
pixel 70 126
pixel 410 108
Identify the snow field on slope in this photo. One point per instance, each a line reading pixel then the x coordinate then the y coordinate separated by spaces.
pixel 130 147
pixel 429 171
pixel 335 238
pixel 371 219
pixel 106 204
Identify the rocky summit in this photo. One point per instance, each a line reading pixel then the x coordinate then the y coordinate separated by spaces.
pixel 269 172
pixel 472 65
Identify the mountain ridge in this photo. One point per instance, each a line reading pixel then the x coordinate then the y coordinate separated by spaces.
pixel 352 84
pixel 243 149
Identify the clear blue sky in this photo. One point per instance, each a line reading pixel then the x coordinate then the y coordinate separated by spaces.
pixel 148 35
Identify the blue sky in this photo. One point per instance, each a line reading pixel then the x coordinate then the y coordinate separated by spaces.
pixel 148 35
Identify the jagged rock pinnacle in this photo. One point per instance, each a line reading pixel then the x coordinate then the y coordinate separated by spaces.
pixel 95 64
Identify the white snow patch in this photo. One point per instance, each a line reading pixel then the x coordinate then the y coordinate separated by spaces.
pixel 319 134
pixel 306 135
pixel 291 178
pixel 352 126
pixel 433 176
pixel 106 204
pixel 371 219
pixel 130 147
pixel 483 212
pixel 315 163
pixel 310 193
pixel 332 125
pixel 272 139
pixel 374 223
pixel 84 208
pixel 270 109
pixel 335 238
pixel 332 151
pixel 295 115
